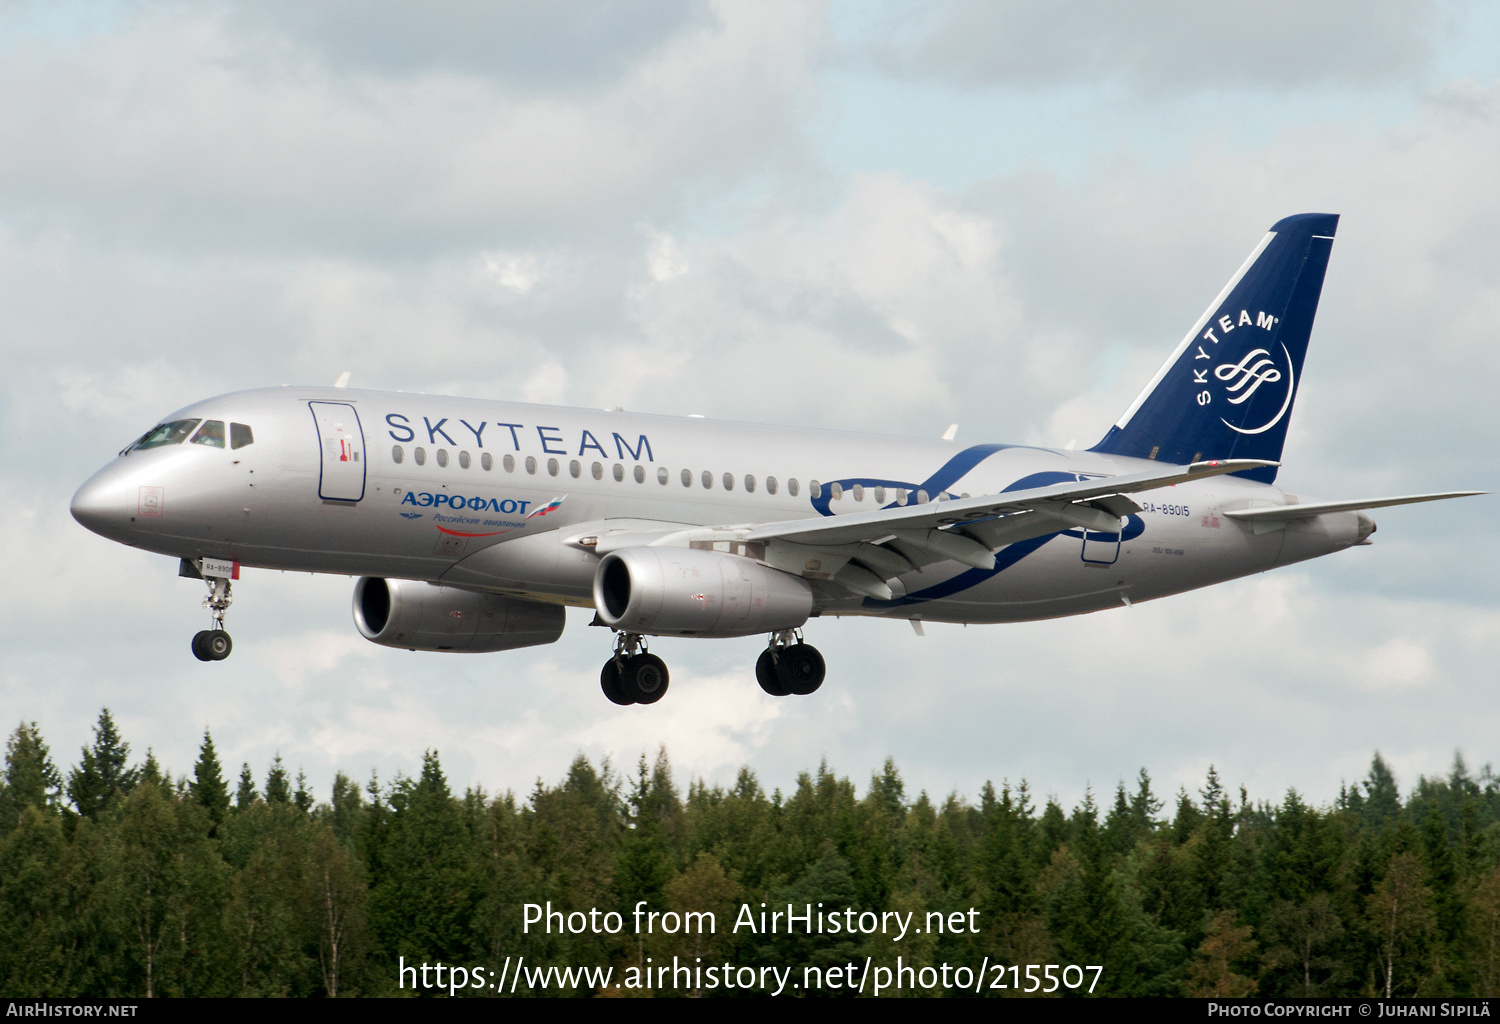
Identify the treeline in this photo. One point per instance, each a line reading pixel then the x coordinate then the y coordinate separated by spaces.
pixel 119 880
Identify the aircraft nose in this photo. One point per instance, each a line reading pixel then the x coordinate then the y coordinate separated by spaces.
pixel 99 504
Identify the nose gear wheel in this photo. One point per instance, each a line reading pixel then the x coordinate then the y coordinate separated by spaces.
pixel 214 644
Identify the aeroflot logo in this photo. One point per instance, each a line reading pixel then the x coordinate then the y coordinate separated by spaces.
pixel 1244 377
pixel 456 501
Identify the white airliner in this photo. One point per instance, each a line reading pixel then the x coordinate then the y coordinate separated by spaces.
pixel 471 524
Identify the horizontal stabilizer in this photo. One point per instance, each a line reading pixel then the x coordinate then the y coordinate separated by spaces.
pixel 1284 513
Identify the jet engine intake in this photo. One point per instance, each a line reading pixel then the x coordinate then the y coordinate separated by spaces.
pixel 426 617
pixel 689 592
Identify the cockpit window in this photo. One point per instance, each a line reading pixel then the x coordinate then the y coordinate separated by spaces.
pixel 240 435
pixel 167 433
pixel 211 434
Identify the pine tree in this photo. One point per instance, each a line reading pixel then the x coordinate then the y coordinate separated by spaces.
pixel 103 773
pixel 208 788
pixel 246 794
pixel 31 779
pixel 302 797
pixel 1144 806
pixel 1382 799
pixel 150 772
pixel 1224 947
pixel 346 808
pixel 1119 831
pixel 278 786
pixel 422 904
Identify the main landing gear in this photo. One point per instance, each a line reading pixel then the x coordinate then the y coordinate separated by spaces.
pixel 214 644
pixel 790 666
pixel 633 675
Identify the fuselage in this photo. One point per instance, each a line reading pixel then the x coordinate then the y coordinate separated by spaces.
pixel 511 498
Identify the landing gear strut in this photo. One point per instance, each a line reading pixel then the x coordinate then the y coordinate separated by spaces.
pixel 214 644
pixel 633 675
pixel 789 666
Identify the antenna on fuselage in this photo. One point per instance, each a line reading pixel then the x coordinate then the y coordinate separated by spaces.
pixel 343 381
pixel 951 432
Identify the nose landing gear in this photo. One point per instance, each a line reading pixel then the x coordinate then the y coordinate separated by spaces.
pixel 214 644
pixel 790 666
pixel 633 675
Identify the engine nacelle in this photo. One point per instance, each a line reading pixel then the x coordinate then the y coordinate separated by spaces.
pixel 426 617
pixel 688 592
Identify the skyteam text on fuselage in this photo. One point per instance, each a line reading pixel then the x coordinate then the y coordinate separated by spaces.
pixel 471 524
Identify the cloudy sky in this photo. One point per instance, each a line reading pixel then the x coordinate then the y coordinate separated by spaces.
pixel 887 216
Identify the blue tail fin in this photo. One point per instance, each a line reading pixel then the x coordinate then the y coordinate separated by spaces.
pixel 1227 391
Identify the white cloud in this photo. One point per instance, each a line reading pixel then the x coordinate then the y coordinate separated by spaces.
pixel 1177 45
pixel 180 131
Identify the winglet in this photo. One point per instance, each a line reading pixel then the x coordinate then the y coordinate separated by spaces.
pixel 343 381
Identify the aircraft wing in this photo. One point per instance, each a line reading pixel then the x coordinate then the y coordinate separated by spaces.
pixel 1285 513
pixel 863 550
pixel 1066 504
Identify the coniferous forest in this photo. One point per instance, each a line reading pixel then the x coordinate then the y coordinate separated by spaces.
pixel 121 880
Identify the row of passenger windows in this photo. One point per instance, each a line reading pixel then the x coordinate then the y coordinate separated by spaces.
pixel 663 476
pixel 211 433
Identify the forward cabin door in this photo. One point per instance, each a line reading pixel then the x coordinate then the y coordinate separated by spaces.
pixel 341 445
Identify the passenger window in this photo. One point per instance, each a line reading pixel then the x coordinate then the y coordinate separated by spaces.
pixel 509 462
pixel 791 487
pixel 397 454
pixel 552 467
pixel 597 470
pixel 463 460
pixel 687 478
pixel 749 482
pixel 240 435
pixel 419 456
pixel 770 485
pixel 487 461
pixel 815 489
pixel 880 495
pixel 530 464
pixel 575 470
pixel 175 432
pixel 922 497
pixel 640 474
pixel 708 479
pixel 442 458
pixel 211 434
pixel 901 495
pixel 728 481
pixel 837 490
pixel 662 476
pixel 859 492
pixel 619 472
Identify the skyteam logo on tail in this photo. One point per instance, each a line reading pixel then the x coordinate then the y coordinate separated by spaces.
pixel 1228 388
pixel 1248 375
pixel 1257 368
